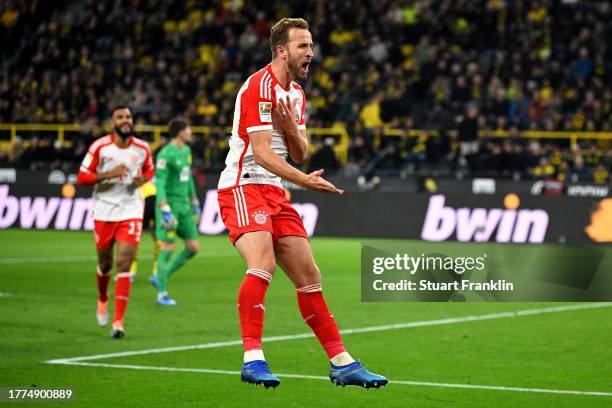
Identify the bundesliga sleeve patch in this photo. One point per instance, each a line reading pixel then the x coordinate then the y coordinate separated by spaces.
pixel 161 164
pixel 265 111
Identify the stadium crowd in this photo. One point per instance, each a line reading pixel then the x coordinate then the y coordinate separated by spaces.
pixel 443 65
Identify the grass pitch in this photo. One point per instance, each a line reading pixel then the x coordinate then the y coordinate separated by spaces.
pixel 47 312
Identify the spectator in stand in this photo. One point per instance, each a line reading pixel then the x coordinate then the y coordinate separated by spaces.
pixel 541 65
pixel 324 157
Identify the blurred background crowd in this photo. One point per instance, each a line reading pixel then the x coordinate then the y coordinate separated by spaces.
pixel 456 68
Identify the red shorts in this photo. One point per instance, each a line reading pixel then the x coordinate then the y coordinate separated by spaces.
pixel 259 207
pixel 107 232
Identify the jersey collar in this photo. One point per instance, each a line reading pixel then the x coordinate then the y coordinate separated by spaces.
pixel 269 69
pixel 114 139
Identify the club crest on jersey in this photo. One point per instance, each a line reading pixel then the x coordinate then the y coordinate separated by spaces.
pixel 161 164
pixel 260 217
pixel 134 159
pixel 265 111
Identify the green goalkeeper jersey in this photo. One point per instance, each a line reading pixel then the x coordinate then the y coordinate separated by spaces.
pixel 173 178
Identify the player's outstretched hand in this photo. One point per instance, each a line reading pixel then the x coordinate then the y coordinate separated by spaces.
pixel 119 171
pixel 315 182
pixel 283 115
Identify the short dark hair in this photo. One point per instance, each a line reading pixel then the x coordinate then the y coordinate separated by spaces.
pixel 119 107
pixel 176 126
pixel 279 33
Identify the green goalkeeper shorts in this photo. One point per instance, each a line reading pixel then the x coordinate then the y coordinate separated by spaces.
pixel 186 226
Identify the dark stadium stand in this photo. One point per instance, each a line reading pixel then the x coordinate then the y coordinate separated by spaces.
pixel 457 68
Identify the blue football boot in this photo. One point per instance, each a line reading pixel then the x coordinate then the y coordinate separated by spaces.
pixel 257 372
pixel 166 300
pixel 355 374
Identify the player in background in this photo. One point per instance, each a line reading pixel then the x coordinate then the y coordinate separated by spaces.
pixel 149 193
pixel 269 124
pixel 117 164
pixel 148 224
pixel 178 210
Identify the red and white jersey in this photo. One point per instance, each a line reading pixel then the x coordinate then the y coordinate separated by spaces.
pixel 116 199
pixel 255 102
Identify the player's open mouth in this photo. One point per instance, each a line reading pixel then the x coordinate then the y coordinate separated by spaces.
pixel 305 66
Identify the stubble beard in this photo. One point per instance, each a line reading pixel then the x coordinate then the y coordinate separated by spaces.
pixel 294 68
pixel 121 134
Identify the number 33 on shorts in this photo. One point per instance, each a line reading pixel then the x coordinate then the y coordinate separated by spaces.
pixel 107 232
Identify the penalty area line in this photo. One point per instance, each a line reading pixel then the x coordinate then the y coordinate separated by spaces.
pixel 314 377
pixel 397 326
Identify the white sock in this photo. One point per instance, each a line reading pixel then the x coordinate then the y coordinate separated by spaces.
pixel 161 295
pixel 342 359
pixel 253 355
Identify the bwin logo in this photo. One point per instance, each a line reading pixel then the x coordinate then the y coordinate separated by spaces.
pixel 479 224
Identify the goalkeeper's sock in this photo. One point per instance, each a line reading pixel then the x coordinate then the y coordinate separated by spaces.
pixel 134 265
pixel 123 284
pixel 316 314
pixel 156 249
pixel 162 271
pixel 251 298
pixel 103 280
pixel 179 260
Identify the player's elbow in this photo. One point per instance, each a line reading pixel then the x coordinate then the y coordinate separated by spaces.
pixel 86 179
pixel 259 158
pixel 299 157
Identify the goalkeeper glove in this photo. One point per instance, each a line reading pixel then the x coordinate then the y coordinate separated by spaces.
pixel 168 221
pixel 197 210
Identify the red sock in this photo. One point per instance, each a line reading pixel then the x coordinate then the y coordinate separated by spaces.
pixel 123 284
pixel 103 280
pixel 251 298
pixel 317 315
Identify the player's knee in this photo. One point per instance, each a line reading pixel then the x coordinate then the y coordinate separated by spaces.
pixel 308 276
pixel 313 274
pixel 105 267
pixel 167 246
pixel 193 246
pixel 268 265
pixel 124 260
pixel 123 265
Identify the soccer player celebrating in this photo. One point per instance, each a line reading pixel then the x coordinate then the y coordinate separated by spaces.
pixel 266 230
pixel 117 164
pixel 177 208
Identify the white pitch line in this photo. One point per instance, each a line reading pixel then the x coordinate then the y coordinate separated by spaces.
pixel 86 258
pixel 315 377
pixel 453 320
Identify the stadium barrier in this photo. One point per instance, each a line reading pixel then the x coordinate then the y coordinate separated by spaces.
pixel 64 134
pixel 50 201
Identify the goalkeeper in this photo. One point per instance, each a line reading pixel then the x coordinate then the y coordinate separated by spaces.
pixel 178 210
